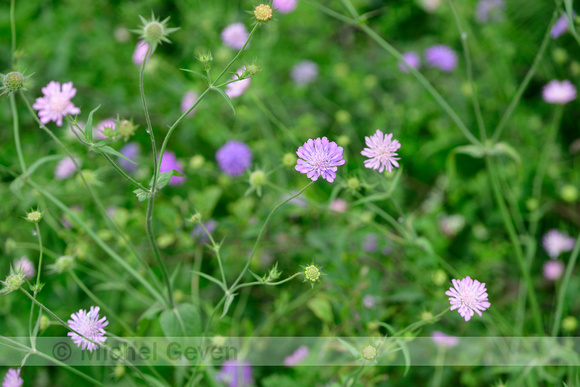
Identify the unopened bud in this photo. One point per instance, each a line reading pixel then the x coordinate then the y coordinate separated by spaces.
pixel 34 216
pixel 369 352
pixel 263 13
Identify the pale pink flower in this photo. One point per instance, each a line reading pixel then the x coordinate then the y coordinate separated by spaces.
pixel 559 93
pixel 444 340
pixel 284 6
pixel 553 269
pixel 25 265
pixel 89 325
pixel 235 35
pixel 237 88
pixel 12 378
pixel 140 52
pixel 381 151
pixel 65 168
pixel 56 102
pixel 108 123
pixel 187 102
pixel 556 243
pixel 297 356
pixel 468 296
pixel 339 205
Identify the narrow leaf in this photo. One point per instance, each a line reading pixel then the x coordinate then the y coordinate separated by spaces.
pixel 196 73
pixel 228 100
pixel 89 126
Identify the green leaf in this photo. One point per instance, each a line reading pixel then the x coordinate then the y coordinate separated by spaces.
pixel 142 195
pixel 470 150
pixel 227 304
pixel 321 308
pixel 16 185
pixel 197 73
pixel 151 312
pixel 89 126
pixel 502 148
pixel 228 100
pixel 183 321
pixel 353 351
pixel 165 177
pixel 205 201
pixel 108 150
pixel 570 13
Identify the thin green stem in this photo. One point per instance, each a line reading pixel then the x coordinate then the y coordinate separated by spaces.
pixel 40 252
pixel 216 249
pixel 123 173
pixel 265 283
pixel 418 324
pixel 516 244
pixel 237 55
pixel 564 288
pixel 516 99
pixel 262 233
pixel 17 131
pixel 469 66
pixel 13 29
pixel 547 152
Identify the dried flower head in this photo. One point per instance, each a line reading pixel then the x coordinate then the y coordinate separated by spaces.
pixel 56 102
pixel 319 157
pixel 381 151
pixel 468 296
pixel 89 325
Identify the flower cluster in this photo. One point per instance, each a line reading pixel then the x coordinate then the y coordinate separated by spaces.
pixel 440 56
pixel 468 296
pixel 88 325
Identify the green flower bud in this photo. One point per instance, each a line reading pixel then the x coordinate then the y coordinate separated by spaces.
pixel 154 31
pixel 263 13
pixel 439 277
pixel 342 117
pixel 196 162
pixel 570 324
pixel 312 274
pixel 13 282
pixel 353 184
pixel 119 371
pixel 44 322
pixel 369 352
pixel 13 82
pixel 425 316
pixel 569 193
pixel 257 179
pixel 289 160
pixel 126 129
pixel 63 264
pixel 532 204
pixel 250 71
pixel 34 216
pixel 560 55
pixel 195 217
pixel 343 140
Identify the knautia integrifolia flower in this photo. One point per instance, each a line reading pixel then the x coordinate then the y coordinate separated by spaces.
pixel 170 162
pixel 65 168
pixel 312 274
pixel 443 340
pixel 56 102
pixel 140 52
pixel 235 373
pixel 338 205
pixel 105 127
pixel 237 88
pixel 410 59
pixel 235 35
pixel 199 233
pixel 560 27
pixel 468 296
pixel 234 158
pixel 381 151
pixel 553 269
pixel 187 102
pixel 25 266
pixel 489 11
pixel 319 157
pixel 442 57
pixel 369 301
pixel 89 325
pixel 297 356
pixel 556 243
pixel 263 13
pixel 304 72
pixel 12 378
pixel 559 93
pixel 130 151
pixel 284 6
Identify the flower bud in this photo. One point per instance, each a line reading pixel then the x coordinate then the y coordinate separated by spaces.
pixel 289 160
pixel 439 277
pixel 13 282
pixel 63 263
pixel 154 31
pixel 250 71
pixel 569 193
pixel 126 129
pixel 263 13
pixel 13 82
pixel 570 324
pixel 369 352
pixel 343 140
pixel 257 179
pixel 195 217
pixel 425 316
pixel 196 162
pixel 312 274
pixel 44 322
pixel 119 371
pixel 353 184
pixel 34 216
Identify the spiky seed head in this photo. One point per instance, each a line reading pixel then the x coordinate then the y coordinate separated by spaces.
pixel 13 82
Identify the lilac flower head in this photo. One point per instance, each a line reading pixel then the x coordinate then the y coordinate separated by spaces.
pixel 12 378
pixel 25 266
pixel 339 205
pixel 199 233
pixel 88 325
pixel 168 163
pixel 56 102
pixel 561 26
pixel 556 243
pixel 140 52
pixel 553 269
pixel 297 356
pixel 235 373
pixel 369 301
pixel 235 35
pixel 559 93
pixel 441 57
pixel 304 72
pixel 319 157
pixel 65 168
pixel 490 11
pixel 370 243
pixel 235 89
pixel 108 123
pixel 234 158
pixel 131 151
pixel 187 102
pixel 381 151
pixel 284 6
pixel 444 340
pixel 411 59
pixel 468 296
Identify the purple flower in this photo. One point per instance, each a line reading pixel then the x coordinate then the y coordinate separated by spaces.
pixel 556 243
pixel 235 373
pixel 25 266
pixel 338 205
pixel 130 151
pixel 468 296
pixel 490 11
pixel 168 163
pixel 553 270
pixel 369 301
pixel 297 356
pixel 140 52
pixel 304 72
pixel 411 59
pixel 560 26
pixel 370 243
pixel 65 168
pixel 284 6
pixel 187 102
pixel 441 57
pixel 235 89
pixel 559 93
pixel 56 102
pixel 199 233
pixel 235 35
pixel 381 151
pixel 108 123
pixel 319 157
pixel 444 340
pixel 234 158
pixel 88 325
pixel 12 378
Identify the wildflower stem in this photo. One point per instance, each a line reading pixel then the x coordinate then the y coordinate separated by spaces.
pixel 17 131
pixel 235 57
pixel 40 252
pixel 266 283
pixel 516 100
pixel 469 67
pixel 418 324
pixel 104 346
pixel 516 244
pixel 13 28
pixel 262 233
pixel 216 249
pixel 564 288
pixel 123 173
